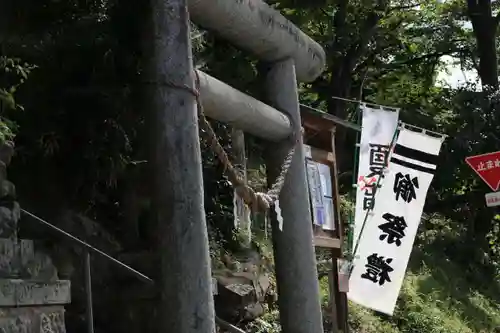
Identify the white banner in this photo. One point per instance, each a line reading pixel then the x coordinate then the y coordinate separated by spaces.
pixel 378 128
pixel 387 240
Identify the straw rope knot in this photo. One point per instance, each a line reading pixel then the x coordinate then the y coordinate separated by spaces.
pixel 257 201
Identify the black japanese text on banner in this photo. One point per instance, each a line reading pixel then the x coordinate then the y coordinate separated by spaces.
pixel 377 132
pixel 387 240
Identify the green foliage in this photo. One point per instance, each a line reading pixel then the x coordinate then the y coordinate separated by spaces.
pixel 267 324
pixel 493 238
pixel 13 73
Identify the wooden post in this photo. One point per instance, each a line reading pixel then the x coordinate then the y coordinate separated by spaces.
pixel 238 143
pixel 241 211
pixel 185 302
pixel 333 298
pixel 341 298
pixel 297 277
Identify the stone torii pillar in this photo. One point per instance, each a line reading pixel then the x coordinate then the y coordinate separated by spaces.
pixel 296 273
pixel 183 278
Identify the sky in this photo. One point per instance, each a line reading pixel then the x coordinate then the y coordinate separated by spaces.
pixel 453 75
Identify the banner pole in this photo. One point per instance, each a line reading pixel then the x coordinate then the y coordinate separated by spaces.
pixel 354 181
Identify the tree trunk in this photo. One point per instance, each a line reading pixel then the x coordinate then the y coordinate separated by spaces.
pixel 485 26
pixel 347 53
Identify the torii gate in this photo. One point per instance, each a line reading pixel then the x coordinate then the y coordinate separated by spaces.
pixel 186 304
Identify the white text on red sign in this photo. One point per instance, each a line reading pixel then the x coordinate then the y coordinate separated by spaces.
pixel 483 166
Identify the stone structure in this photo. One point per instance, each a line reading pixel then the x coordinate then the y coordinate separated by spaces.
pixel 27 277
pixel 244 286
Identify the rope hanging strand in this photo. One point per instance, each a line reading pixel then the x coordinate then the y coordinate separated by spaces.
pixel 257 201
pixel 361 102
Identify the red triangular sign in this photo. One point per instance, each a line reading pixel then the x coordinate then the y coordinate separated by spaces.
pixel 487 166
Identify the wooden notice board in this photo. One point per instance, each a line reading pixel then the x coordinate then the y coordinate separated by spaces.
pixel 319 146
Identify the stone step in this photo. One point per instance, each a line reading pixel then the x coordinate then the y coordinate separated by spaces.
pixel 48 319
pixel 17 292
pixel 14 255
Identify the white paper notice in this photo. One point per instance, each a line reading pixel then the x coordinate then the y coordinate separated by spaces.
pixel 314 182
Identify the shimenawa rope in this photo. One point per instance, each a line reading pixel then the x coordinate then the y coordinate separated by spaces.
pixel 257 201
